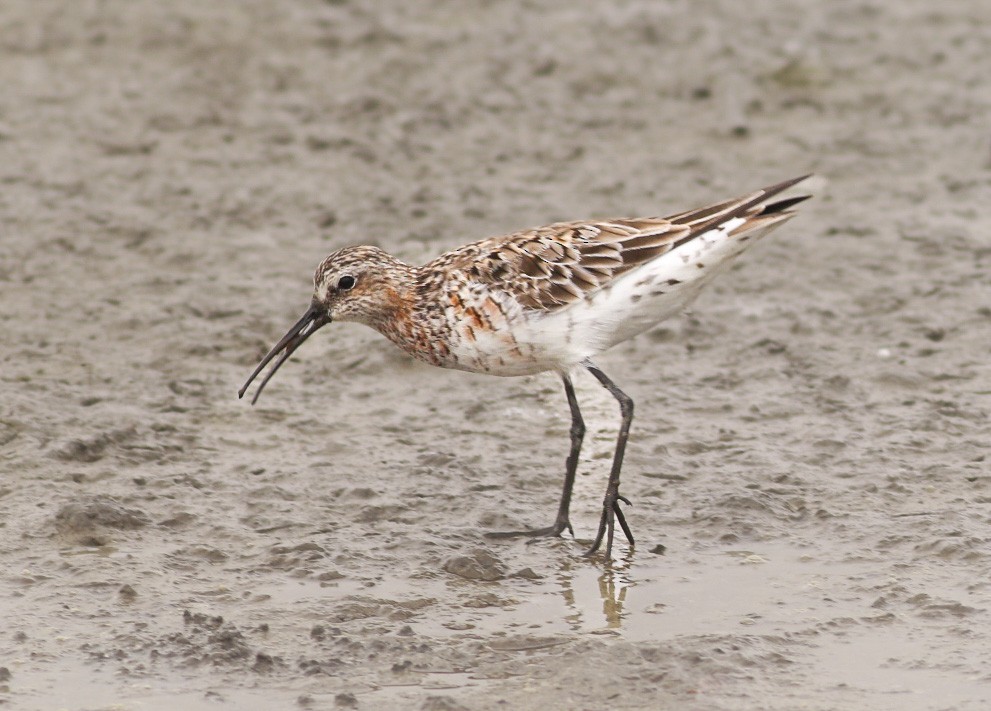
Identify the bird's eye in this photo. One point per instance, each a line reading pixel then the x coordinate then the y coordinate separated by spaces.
pixel 345 282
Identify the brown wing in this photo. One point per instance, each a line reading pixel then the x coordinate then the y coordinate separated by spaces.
pixel 558 264
pixel 549 267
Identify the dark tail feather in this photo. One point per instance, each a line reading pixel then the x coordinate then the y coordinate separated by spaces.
pixel 746 204
pixel 782 205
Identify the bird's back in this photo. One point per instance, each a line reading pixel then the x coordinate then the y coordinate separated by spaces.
pixel 549 297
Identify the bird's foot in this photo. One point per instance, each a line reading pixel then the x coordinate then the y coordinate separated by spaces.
pixel 611 512
pixel 560 526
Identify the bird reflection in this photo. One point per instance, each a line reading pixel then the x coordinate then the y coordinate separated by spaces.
pixel 609 585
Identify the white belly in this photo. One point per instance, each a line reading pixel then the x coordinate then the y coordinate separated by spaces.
pixel 518 341
pixel 635 302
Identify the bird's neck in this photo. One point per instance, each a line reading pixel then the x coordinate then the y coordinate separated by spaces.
pixel 413 316
pixel 395 299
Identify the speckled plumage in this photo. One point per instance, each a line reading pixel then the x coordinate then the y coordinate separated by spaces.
pixel 547 298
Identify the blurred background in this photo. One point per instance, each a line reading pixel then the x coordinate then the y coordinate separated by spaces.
pixel 808 464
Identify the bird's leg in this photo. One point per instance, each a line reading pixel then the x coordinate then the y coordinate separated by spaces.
pixel 561 523
pixel 571 466
pixel 610 505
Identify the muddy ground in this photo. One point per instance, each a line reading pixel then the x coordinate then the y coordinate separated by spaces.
pixel 809 463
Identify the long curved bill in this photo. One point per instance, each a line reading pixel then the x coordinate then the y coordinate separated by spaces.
pixel 314 318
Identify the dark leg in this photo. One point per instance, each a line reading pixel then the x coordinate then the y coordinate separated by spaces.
pixel 610 505
pixel 571 467
pixel 561 523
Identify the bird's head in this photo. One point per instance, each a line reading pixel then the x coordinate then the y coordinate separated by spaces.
pixel 361 284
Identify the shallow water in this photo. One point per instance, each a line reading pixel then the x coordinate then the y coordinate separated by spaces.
pixel 810 443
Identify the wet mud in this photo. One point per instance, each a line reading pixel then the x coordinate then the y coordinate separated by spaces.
pixel 808 465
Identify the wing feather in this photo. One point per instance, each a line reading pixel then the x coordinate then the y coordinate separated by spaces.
pixel 553 266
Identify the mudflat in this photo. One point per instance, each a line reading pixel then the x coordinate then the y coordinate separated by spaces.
pixel 808 462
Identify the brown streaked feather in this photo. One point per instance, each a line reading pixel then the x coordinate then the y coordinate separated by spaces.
pixel 750 205
pixel 564 262
pixel 755 222
pixel 691 216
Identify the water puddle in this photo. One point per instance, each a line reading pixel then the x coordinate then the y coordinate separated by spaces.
pixel 652 599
